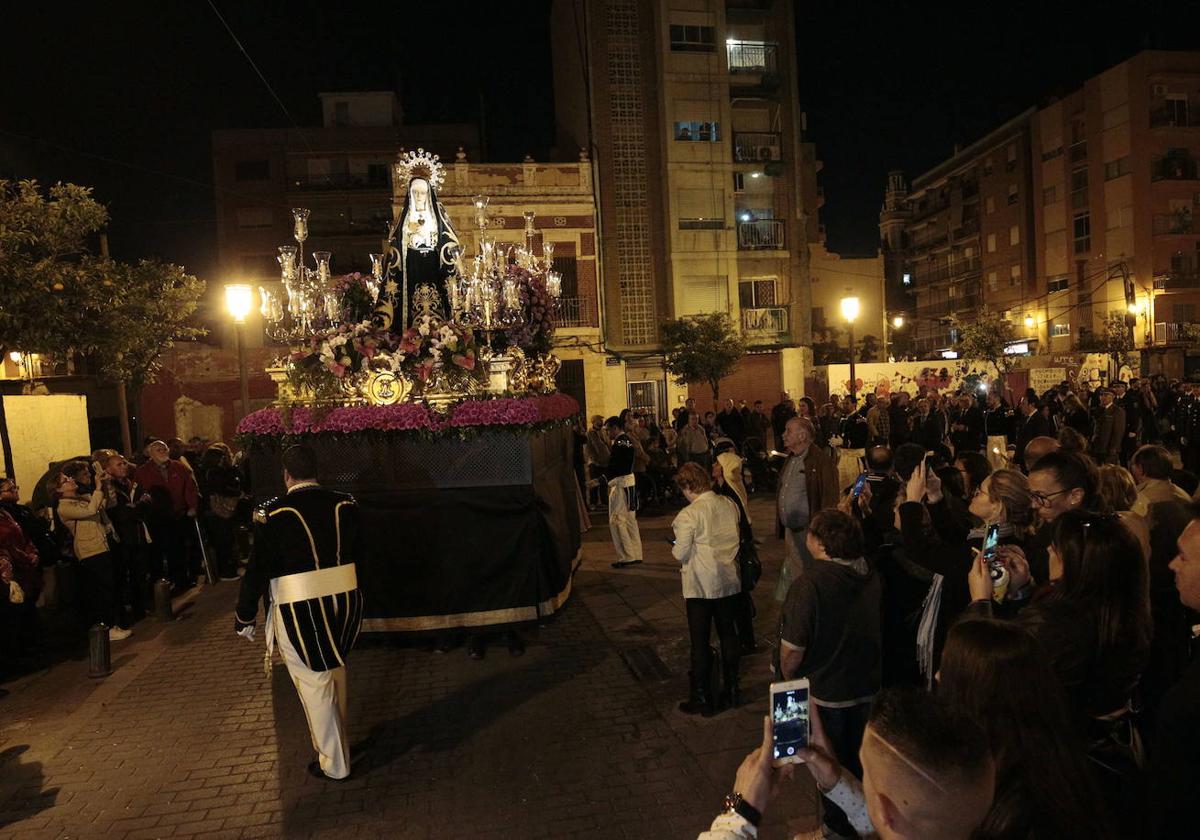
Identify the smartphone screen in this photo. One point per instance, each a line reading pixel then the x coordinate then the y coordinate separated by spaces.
pixel 789 720
pixel 859 483
pixel 991 540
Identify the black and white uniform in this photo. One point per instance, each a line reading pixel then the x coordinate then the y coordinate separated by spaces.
pixel 623 500
pixel 306 545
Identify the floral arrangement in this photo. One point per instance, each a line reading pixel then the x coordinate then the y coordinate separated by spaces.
pixel 529 413
pixel 536 335
pixel 355 301
pixel 338 355
pixel 433 347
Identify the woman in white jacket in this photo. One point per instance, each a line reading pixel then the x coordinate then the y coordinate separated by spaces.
pixel 706 544
pixel 86 520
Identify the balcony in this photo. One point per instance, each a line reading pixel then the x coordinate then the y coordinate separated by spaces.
pixel 574 312
pixel 1178 280
pixel 343 181
pixel 1185 114
pixel 751 56
pixel 1178 168
pixel 757 146
pixel 949 306
pixel 961 268
pixel 762 235
pixel 1176 333
pixel 765 324
pixel 969 227
pixel 1168 224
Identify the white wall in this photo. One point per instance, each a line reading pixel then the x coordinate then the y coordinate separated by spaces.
pixel 43 429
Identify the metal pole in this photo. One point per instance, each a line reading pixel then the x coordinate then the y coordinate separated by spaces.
pixel 241 349
pixel 853 381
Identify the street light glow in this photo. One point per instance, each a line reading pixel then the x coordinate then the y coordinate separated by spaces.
pixel 239 299
pixel 898 321
pixel 16 357
pixel 1029 321
pixel 850 308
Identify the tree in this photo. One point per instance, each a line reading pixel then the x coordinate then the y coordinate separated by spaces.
pixel 829 350
pixel 50 285
pixel 1117 340
pixel 702 349
pixel 985 339
pixel 150 307
pixel 868 348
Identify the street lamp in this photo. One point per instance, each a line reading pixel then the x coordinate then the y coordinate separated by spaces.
pixel 1029 322
pixel 239 299
pixel 850 312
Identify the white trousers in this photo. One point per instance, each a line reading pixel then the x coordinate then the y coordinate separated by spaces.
pixel 323 695
pixel 622 524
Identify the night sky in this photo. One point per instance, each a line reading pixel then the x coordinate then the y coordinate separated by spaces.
pixel 124 96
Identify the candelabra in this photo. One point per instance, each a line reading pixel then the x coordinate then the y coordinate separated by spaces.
pixel 308 302
pixel 489 299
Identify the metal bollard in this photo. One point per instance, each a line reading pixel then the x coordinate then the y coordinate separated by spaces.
pixel 162 600
pixel 99 655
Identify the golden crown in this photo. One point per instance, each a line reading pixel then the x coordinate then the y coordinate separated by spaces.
pixel 419 164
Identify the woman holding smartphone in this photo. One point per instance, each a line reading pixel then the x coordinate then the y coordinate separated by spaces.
pixel 706 544
pixel 1002 500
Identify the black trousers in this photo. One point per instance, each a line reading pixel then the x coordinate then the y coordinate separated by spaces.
pixel 96 587
pixel 702 613
pixel 844 727
pixel 222 535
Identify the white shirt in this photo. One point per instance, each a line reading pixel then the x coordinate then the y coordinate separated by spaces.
pixel 706 543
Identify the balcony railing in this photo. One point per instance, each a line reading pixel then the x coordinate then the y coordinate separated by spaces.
pixel 1177 280
pixel 934 341
pixel 762 234
pixel 575 312
pixel 751 56
pixel 1175 223
pixel 1169 333
pixel 944 308
pixel 756 146
pixel 1176 117
pixel 945 272
pixel 1173 169
pixel 339 182
pixel 765 324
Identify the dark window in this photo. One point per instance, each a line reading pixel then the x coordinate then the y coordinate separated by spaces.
pixel 693 38
pixel 1058 284
pixel 258 265
pixel 341 113
pixel 252 170
pixel 1083 233
pixel 566 266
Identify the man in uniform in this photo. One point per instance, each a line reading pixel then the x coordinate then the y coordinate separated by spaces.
pixel 622 496
pixel 306 545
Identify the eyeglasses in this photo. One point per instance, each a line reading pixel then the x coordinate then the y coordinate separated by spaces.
pixel 1043 499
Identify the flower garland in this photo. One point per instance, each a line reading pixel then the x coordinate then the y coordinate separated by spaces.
pixel 536 334
pixel 528 413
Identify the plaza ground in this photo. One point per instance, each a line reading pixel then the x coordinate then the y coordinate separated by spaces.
pixel 579 738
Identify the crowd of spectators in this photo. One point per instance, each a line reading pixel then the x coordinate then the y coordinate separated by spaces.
pixel 96 533
pixel 1045 690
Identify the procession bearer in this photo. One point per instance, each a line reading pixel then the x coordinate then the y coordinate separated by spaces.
pixel 305 547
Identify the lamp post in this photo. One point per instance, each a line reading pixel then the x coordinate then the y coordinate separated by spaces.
pixel 239 298
pixel 850 312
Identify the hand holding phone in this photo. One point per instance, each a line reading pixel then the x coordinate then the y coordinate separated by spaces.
pixel 789 721
pixel 859 484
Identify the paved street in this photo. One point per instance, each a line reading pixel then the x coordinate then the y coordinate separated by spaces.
pixel 578 738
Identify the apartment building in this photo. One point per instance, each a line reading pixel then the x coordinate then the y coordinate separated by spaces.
pixel 1067 214
pixel 961 238
pixel 706 191
pixel 1116 173
pixel 340 171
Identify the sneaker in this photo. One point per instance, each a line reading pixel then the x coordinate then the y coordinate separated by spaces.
pixel 621 564
pixel 117 634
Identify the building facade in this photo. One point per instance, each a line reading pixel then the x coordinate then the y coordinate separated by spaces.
pixel 1067 215
pixel 706 190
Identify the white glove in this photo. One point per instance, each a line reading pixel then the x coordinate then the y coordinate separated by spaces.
pixel 247 633
pixel 16 595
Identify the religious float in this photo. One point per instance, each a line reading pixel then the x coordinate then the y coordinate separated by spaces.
pixel 427 390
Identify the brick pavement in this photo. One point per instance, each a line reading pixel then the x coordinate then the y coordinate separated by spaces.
pixel 577 739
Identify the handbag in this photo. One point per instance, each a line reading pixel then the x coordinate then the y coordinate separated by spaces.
pixel 223 506
pixel 749 566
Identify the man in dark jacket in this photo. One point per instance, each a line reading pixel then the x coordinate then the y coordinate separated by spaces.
pixel 967 427
pixel 780 414
pixel 306 550
pixel 1175 762
pixel 1106 443
pixel 929 426
pixel 1032 424
pixel 1128 401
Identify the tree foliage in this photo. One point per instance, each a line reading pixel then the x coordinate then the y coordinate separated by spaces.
pixel 1117 340
pixel 985 339
pixel 57 296
pixel 702 349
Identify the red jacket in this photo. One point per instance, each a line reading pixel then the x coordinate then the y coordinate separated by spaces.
pixel 179 485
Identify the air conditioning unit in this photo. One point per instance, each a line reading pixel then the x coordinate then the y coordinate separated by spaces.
pixel 1160 90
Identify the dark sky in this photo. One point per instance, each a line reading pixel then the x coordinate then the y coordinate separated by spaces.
pixel 123 96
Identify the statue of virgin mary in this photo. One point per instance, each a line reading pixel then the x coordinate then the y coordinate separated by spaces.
pixel 422 249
